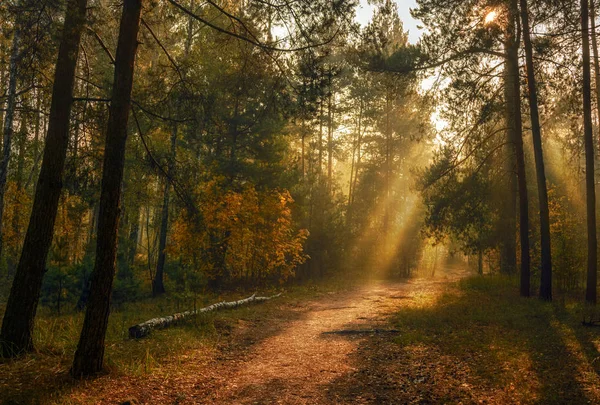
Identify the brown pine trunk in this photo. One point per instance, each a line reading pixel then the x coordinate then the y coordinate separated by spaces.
pixel 133 235
pixel 303 153
pixel 513 111
pixel 358 155
pixel 508 225
pixel 320 143
pixel 596 61
pixel 592 265
pixel 158 285
pixel 536 132
pixel 329 135
pixel 17 325
pixel 89 355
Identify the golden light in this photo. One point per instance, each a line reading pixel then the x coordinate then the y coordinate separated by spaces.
pixel 490 17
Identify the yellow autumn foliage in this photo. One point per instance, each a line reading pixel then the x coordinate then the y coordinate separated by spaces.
pixel 247 235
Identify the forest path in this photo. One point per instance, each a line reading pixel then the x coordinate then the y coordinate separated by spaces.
pixel 289 358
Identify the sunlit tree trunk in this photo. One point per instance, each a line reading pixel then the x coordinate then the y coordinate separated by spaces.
pixel 89 356
pixel 592 265
pixel 17 325
pixel 355 155
pixel 514 118
pixel 358 154
pixel 546 269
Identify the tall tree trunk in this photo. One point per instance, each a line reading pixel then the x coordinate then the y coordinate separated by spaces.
pixel 36 140
pixel 508 226
pixel 17 325
pixel 320 143
pixel 9 121
pixel 134 234
pixel 514 118
pixel 356 147
pixel 158 286
pixel 592 265
pixel 329 135
pixel 596 61
pixel 12 257
pixel 536 132
pixel 303 155
pixel 89 356
pixel 358 155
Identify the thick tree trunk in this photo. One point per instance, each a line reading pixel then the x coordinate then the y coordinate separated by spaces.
pixel 546 270
pixel 508 224
pixel 17 325
pixel 158 286
pixel 514 118
pixel 143 329
pixel 9 121
pixel 592 265
pixel 89 356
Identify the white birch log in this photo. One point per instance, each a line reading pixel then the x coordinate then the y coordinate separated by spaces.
pixel 143 329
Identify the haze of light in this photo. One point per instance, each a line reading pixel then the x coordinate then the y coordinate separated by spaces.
pixel 491 17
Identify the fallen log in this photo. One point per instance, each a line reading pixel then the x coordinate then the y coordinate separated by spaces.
pixel 143 329
pixel 361 332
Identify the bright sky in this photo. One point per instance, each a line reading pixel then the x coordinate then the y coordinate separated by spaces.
pixel 365 11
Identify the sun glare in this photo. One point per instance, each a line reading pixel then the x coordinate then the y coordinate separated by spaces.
pixel 491 17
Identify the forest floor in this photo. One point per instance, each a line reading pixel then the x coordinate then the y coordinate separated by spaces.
pixel 450 339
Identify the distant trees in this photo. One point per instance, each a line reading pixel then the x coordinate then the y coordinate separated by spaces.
pixel 550 56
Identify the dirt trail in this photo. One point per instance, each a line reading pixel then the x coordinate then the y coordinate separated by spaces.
pixel 294 360
pixel 299 364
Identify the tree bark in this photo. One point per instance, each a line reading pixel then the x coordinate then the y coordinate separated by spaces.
pixel 596 61
pixel 9 121
pixel 592 265
pixel 89 356
pixel 546 270
pixel 158 286
pixel 329 134
pixel 17 325
pixel 515 121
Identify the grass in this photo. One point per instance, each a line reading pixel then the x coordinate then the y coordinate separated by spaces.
pixel 475 341
pixel 42 376
pixel 520 349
